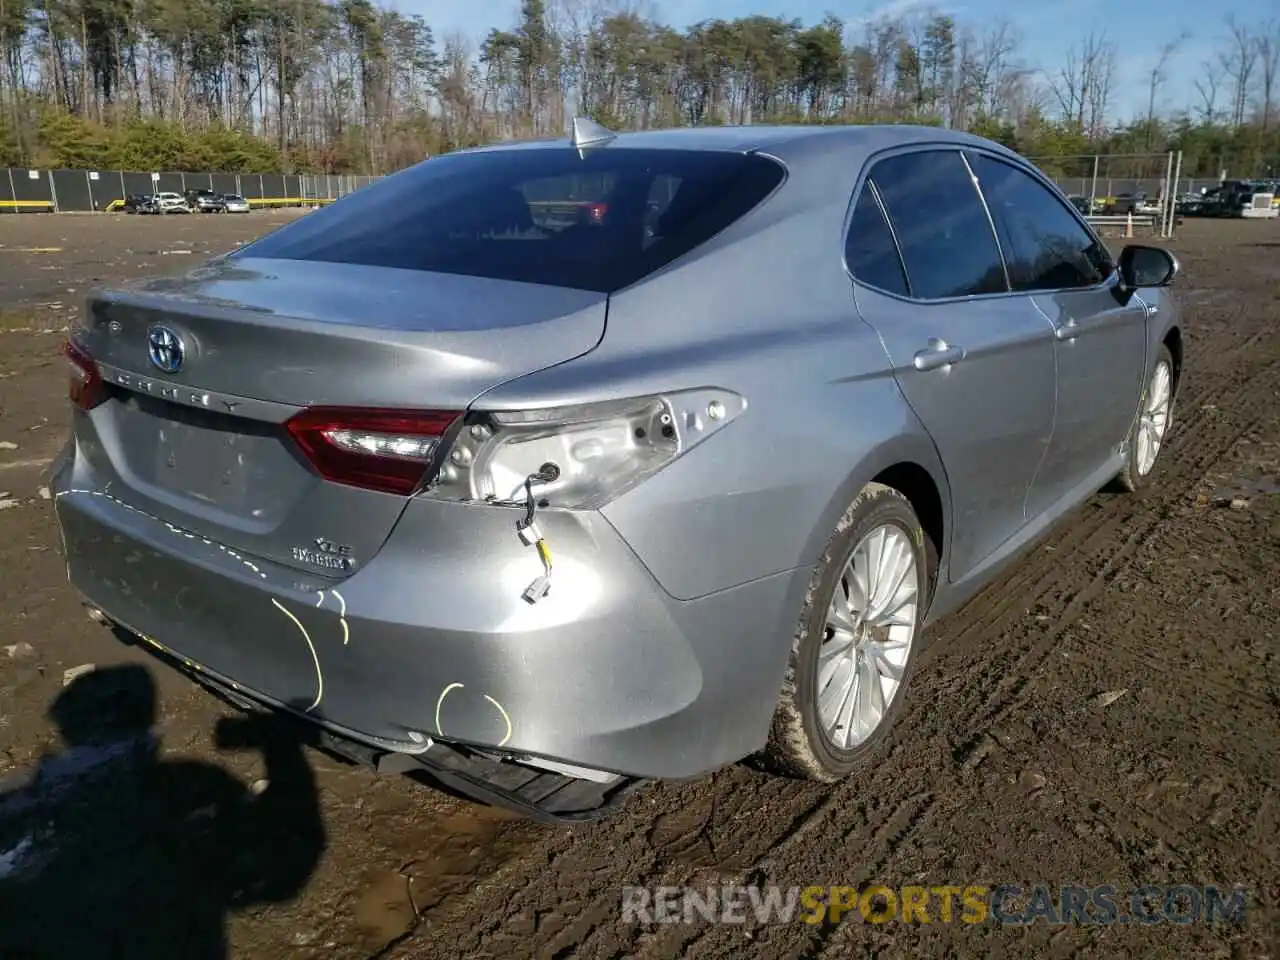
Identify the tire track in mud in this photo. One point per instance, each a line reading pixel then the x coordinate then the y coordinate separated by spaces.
pixel 811 807
pixel 1056 559
pixel 1211 440
pixel 1151 514
pixel 1174 485
pixel 719 830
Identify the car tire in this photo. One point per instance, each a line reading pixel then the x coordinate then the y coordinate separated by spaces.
pixel 1150 425
pixel 807 739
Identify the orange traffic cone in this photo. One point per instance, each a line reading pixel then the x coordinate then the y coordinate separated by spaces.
pixel 1128 225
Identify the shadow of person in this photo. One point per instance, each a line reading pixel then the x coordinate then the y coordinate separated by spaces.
pixel 109 851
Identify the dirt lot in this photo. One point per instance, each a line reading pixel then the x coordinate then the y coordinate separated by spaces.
pixel 1107 713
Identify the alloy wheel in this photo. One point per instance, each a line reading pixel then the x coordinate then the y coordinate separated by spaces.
pixel 870 627
pixel 1153 421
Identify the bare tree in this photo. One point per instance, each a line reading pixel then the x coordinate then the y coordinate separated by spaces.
pixel 1082 85
pixel 1103 69
pixel 1238 61
pixel 1268 44
pixel 1207 87
pixel 985 64
pixel 1157 78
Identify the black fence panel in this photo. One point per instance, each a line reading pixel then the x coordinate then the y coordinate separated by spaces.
pixel 273 186
pixel 169 183
pixel 71 191
pixel 105 188
pixel 138 185
pixel 197 181
pixel 6 192
pixel 31 190
pixel 41 191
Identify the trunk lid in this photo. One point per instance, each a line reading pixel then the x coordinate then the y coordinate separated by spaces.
pixel 203 446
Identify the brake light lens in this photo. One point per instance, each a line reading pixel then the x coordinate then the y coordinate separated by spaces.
pixel 599 450
pixel 84 385
pixel 385 450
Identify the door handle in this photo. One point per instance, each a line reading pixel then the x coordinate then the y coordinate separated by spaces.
pixel 1074 328
pixel 939 354
pixel 1067 331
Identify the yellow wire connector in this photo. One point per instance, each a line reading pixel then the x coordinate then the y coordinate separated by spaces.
pixel 530 535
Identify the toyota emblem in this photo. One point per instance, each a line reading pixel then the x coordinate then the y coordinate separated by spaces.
pixel 166 349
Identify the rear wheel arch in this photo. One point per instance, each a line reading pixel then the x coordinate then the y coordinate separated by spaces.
pixel 908 464
pixel 917 484
pixel 1173 340
pixel 921 490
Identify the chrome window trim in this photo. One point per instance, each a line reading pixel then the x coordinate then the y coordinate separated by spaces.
pixel 1057 194
pixel 866 175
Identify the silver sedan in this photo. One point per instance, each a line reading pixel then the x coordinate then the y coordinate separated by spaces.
pixel 557 467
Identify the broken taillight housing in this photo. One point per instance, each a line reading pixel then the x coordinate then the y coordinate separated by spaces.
pixel 599 450
pixel 84 386
pixel 384 450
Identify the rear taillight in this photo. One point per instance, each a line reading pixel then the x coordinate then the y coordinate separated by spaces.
pixel 595 452
pixel 385 450
pixel 85 379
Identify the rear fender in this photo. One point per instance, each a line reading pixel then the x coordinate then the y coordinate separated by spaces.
pixel 910 448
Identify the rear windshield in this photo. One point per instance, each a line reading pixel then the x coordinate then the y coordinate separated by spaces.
pixel 538 215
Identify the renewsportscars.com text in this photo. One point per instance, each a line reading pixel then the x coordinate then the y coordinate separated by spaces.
pixel 1006 904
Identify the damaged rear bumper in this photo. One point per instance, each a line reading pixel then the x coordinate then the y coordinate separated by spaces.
pixel 429 646
pixel 490 777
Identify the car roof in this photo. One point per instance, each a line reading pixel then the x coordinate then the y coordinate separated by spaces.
pixel 793 139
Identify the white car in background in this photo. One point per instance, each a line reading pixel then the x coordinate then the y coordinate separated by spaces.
pixel 235 203
pixel 170 203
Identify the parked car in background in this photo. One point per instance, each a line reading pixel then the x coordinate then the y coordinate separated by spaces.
pixel 1235 198
pixel 205 201
pixel 1192 204
pixel 389 471
pixel 1126 203
pixel 166 203
pixel 1086 206
pixel 234 203
pixel 1247 198
pixel 134 201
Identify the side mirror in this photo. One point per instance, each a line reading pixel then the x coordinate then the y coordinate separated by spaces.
pixel 1147 266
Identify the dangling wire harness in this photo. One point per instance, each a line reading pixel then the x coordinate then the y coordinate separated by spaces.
pixel 531 536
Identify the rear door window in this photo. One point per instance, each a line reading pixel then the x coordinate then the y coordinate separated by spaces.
pixel 538 214
pixel 869 250
pixel 941 224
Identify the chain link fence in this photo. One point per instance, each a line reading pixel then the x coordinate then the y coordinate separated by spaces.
pixel 97 191
pixel 1108 176
pixel 88 191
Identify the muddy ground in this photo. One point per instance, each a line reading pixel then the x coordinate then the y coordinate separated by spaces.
pixel 1107 713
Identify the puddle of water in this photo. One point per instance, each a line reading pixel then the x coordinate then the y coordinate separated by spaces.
pixel 11 859
pixel 445 856
pixel 385 910
pixel 1248 487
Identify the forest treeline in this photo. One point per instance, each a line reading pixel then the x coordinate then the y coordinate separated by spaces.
pixel 347 86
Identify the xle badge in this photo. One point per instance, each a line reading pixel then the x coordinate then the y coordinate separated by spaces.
pixel 326 554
